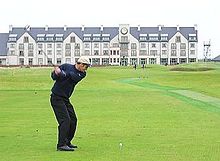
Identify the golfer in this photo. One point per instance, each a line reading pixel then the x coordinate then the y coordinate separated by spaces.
pixel 66 77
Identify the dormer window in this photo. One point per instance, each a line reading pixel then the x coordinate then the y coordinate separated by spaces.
pixel 26 39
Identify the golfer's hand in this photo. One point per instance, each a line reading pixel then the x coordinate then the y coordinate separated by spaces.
pixel 57 70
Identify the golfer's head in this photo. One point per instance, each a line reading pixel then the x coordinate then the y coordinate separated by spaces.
pixel 83 63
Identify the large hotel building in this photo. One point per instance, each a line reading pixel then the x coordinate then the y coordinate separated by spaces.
pixel 121 45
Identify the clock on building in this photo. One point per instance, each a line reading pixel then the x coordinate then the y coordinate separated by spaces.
pixel 124 30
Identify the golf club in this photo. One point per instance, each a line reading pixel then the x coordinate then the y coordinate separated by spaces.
pixel 47 57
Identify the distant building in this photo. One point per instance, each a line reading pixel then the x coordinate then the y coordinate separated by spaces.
pixel 123 45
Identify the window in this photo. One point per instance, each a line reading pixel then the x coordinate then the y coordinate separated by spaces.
pixel 143 45
pixel 164 52
pixel 77 46
pixel 21 46
pixel 182 46
pixel 21 53
pixel 68 46
pixel 173 52
pixel 105 52
pixel 153 52
pixel 96 38
pixel 49 52
pixel 173 61
pixel 182 60
pixel 143 52
pixel 178 39
pixel 124 38
pixel 26 39
pixel 192 45
pixel 96 52
pixel 105 38
pixel 49 61
pixel 192 60
pixel 72 39
pixel 12 46
pixel 40 46
pixel 40 52
pixel 96 45
pixel 30 46
pixel 40 39
pixel 105 45
pixel 173 45
pixel 115 45
pixel 40 61
pixel 68 60
pixel 87 52
pixel 133 61
pixel 124 46
pixel 153 45
pixel 152 60
pixel 21 61
pixel 77 52
pixel 59 45
pixel 68 52
pixel 58 39
pixel 192 52
pixel 86 45
pixel 105 61
pixel 182 52
pixel 143 38
pixel 164 45
pixel 12 52
pixel 164 38
pixel 133 53
pixel 133 46
pixel 164 61
pixel 30 53
pixel 30 61
pixel 153 38
pixel 58 60
pixel 49 45
pixel 59 52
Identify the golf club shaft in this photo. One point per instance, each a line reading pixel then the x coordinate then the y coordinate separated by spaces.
pixel 47 57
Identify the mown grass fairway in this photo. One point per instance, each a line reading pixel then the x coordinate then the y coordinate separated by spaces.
pixel 157 114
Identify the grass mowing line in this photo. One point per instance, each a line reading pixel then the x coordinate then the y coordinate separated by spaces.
pixel 202 101
pixel 198 96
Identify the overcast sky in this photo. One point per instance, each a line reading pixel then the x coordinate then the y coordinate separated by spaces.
pixel 94 13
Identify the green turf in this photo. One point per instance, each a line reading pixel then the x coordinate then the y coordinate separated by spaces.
pixel 156 113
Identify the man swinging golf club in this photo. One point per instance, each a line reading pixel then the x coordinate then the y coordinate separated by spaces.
pixel 66 77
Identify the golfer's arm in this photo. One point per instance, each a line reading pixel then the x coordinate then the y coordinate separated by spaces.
pixel 54 76
pixel 74 76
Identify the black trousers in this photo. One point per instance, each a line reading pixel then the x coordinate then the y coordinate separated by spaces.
pixel 66 119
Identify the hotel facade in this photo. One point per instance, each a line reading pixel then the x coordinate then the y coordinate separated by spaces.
pixel 123 45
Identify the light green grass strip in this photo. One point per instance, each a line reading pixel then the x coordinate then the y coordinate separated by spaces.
pixel 198 96
pixel 202 101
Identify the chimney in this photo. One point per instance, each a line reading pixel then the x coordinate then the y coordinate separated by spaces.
pixel 46 28
pixel 101 27
pixel 82 27
pixel 139 27
pixel 65 27
pixel 178 27
pixel 10 27
pixel 195 26
pixel 160 27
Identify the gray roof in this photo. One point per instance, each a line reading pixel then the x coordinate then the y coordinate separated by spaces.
pixel 34 31
pixel 113 31
pixel 3 44
pixel 171 31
